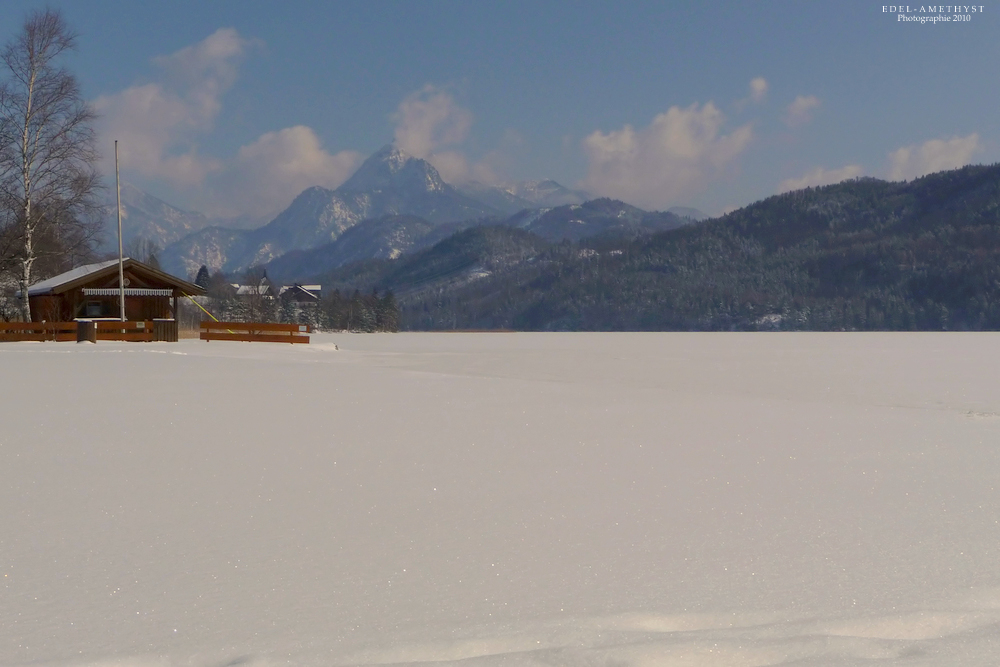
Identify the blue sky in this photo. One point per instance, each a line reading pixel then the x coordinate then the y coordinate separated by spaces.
pixel 234 107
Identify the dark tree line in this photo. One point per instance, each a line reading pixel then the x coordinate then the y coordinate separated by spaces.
pixel 261 301
pixel 360 312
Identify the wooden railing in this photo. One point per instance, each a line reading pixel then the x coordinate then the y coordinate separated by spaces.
pixel 37 331
pixel 151 330
pixel 255 332
pixel 90 330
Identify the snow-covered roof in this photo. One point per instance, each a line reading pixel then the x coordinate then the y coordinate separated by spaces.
pixel 49 284
pixel 79 276
pixel 244 290
pixel 314 289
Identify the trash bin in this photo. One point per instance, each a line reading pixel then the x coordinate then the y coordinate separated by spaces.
pixel 86 331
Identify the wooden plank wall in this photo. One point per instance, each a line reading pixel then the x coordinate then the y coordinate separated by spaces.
pixel 139 331
pixel 255 332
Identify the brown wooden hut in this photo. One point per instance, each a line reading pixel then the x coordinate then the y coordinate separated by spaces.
pixel 92 292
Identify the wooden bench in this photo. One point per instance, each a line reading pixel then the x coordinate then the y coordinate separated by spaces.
pixel 255 332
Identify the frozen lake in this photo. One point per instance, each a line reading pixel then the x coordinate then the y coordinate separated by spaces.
pixel 503 499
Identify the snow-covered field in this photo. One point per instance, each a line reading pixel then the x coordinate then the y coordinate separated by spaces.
pixel 503 499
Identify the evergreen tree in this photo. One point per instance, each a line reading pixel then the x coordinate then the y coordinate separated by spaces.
pixel 387 314
pixel 201 280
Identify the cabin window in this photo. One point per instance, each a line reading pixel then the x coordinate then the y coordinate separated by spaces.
pixel 93 309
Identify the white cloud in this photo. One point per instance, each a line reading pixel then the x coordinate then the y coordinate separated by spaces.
pixel 429 120
pixel 666 162
pixel 430 125
pixel 934 155
pixel 158 126
pixel 156 123
pixel 278 166
pixel 799 112
pixel 758 89
pixel 820 176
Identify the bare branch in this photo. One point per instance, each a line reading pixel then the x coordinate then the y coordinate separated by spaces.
pixel 49 185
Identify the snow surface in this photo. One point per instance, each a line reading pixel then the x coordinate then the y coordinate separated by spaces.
pixel 502 499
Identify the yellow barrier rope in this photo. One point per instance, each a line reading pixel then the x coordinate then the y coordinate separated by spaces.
pixel 200 306
pixel 203 309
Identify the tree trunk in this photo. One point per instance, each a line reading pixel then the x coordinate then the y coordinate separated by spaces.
pixel 25 282
pixel 26 261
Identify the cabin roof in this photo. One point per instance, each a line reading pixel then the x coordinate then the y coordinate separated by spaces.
pixel 83 275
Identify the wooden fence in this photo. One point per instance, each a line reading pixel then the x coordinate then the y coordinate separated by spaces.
pixel 151 330
pixel 259 332
pixel 90 330
pixel 37 331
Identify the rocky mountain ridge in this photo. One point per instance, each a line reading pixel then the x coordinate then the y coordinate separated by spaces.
pixel 392 236
pixel 390 182
pixel 405 205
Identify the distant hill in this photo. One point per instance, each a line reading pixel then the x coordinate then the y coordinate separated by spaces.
pixel 688 212
pixel 863 254
pixel 523 195
pixel 499 198
pixel 548 194
pixel 152 219
pixel 600 217
pixel 382 238
pixel 392 236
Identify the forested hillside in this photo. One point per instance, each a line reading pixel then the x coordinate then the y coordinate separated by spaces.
pixel 864 254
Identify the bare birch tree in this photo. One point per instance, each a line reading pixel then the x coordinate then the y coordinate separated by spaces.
pixel 49 185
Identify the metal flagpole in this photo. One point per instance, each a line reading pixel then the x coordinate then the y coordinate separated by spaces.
pixel 121 261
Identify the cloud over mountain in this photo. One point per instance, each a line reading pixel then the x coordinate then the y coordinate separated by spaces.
pixel 430 125
pixel 159 124
pixel 665 162
pixel 279 165
pixel 934 155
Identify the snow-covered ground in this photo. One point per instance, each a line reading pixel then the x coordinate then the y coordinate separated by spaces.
pixel 502 499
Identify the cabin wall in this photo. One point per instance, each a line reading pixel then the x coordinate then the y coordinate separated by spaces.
pixel 65 307
pixel 50 308
pixel 147 307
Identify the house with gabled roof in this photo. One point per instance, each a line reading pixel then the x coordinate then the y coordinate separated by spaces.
pixel 92 292
pixel 301 294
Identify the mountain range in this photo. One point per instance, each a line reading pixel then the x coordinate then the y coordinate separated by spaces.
pixel 148 218
pixel 394 203
pixel 391 236
pixel 861 254
pixel 864 254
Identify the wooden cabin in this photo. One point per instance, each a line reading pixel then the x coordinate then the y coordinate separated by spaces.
pixel 92 292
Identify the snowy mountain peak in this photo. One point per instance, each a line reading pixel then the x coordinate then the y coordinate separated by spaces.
pixel 393 156
pixel 392 168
